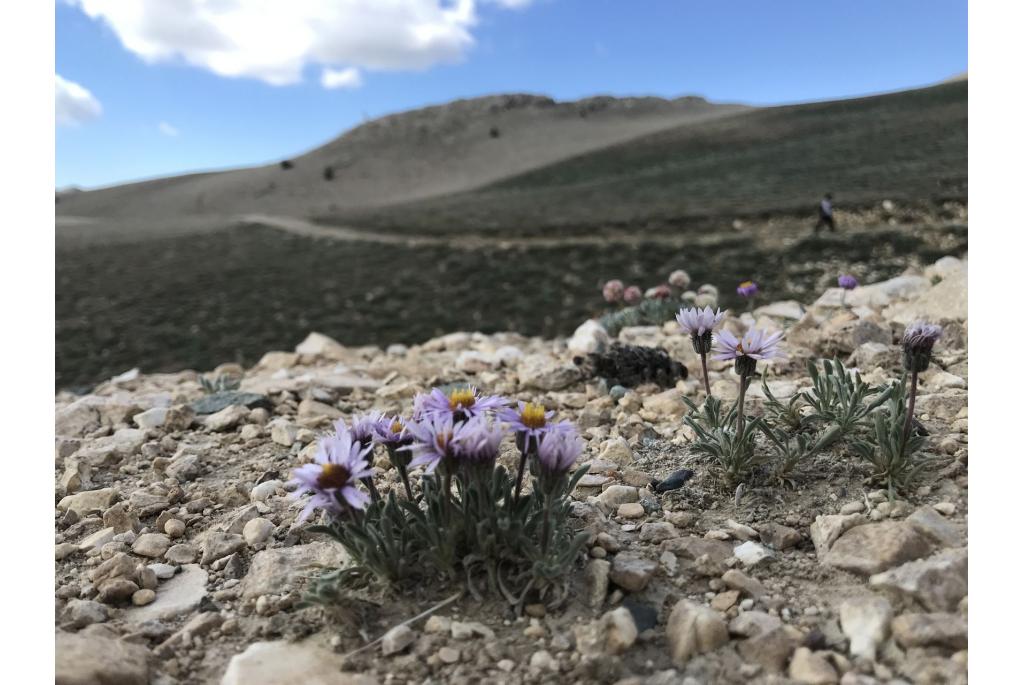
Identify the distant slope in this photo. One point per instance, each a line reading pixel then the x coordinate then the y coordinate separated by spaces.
pixel 909 146
pixel 408 156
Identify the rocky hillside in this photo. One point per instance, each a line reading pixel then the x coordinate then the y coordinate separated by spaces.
pixel 179 558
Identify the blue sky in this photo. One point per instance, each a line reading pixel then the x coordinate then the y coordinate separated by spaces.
pixel 176 99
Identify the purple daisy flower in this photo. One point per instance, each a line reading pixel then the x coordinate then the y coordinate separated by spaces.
pixel 847 282
pixel 559 451
pixel 365 427
pixel 918 341
pixel 697 321
pixel 391 432
pixel 338 465
pixel 459 403
pixel 921 335
pixel 755 344
pixel 747 289
pixel 433 440
pixel 478 440
pixel 531 423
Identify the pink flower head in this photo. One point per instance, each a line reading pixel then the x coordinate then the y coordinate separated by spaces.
pixel 679 279
pixel 613 290
pixel 633 295
pixel 659 292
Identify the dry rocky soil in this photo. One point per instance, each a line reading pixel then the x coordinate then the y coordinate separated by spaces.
pixel 179 558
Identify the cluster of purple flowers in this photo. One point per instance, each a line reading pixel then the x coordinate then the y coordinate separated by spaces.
pixel 448 429
pixel 745 351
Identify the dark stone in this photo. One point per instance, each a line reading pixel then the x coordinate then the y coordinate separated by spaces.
pixel 674 481
pixel 632 365
pixel 272 474
pixel 644 615
pixel 214 402
pixel 815 640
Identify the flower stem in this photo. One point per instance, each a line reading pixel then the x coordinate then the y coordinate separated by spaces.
pixel 704 367
pixel 910 409
pixel 405 481
pixel 522 468
pixel 447 486
pixel 546 531
pixel 368 482
pixel 740 418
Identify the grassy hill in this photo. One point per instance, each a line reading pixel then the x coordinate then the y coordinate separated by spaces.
pixel 909 146
pixel 402 157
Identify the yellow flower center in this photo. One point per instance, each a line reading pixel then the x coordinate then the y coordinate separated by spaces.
pixel 461 397
pixel 333 476
pixel 532 415
pixel 441 441
pixel 397 427
pixel 746 284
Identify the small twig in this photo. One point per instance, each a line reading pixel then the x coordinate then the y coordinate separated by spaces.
pixel 424 614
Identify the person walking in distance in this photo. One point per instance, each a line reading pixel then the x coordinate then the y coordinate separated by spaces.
pixel 825 217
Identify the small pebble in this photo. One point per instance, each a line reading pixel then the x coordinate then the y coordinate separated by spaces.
pixel 448 655
pixel 174 528
pixel 143 597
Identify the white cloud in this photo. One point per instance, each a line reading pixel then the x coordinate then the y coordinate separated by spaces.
pixel 274 40
pixel 74 104
pixel 512 4
pixel 167 129
pixel 341 78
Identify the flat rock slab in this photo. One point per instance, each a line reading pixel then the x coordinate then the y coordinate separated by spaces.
pixel 936 527
pixel 342 383
pixel 274 570
pixel 177 596
pixel 286 663
pixel 216 401
pixel 946 300
pixel 91 659
pixel 927 630
pixel 938 582
pixel 826 529
pixel 873 548
pixel 692 547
